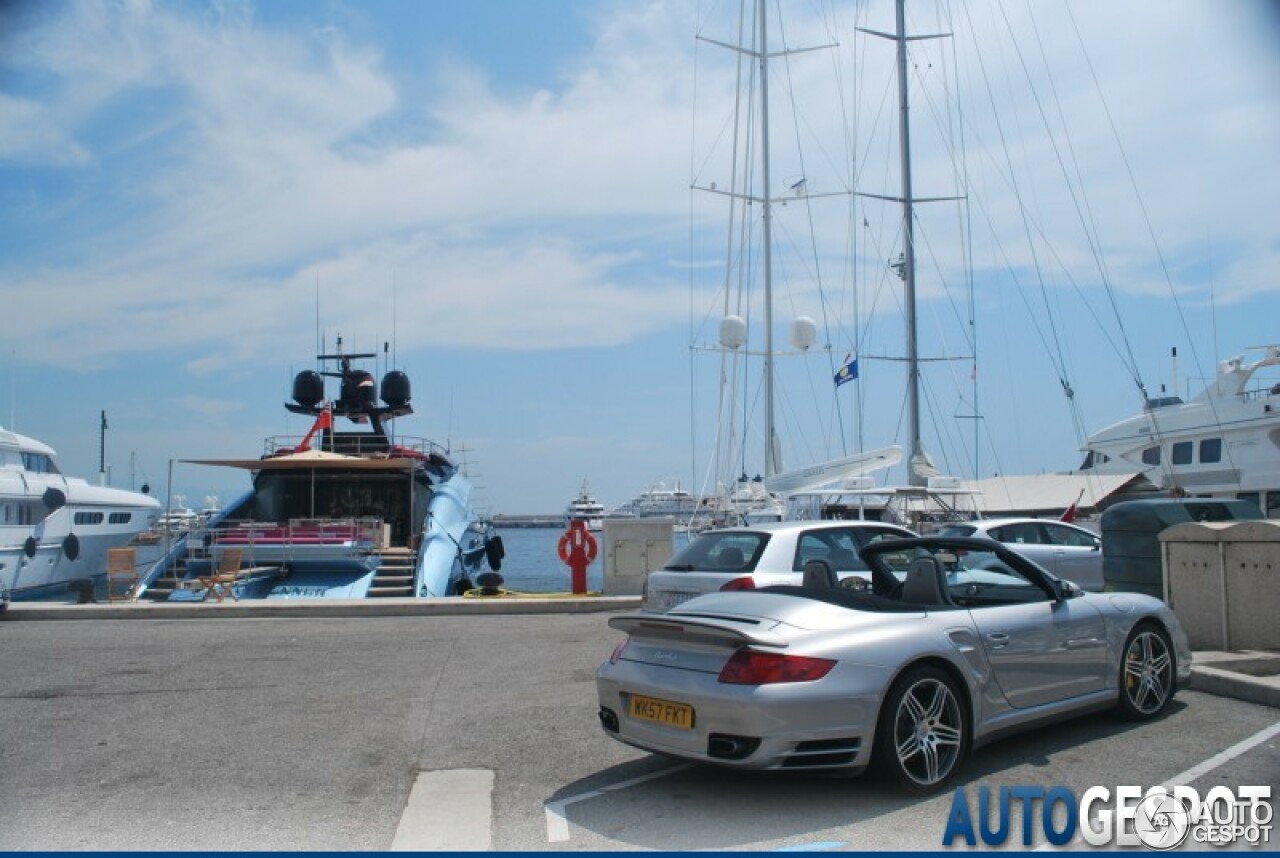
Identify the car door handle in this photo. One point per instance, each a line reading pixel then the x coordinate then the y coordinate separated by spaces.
pixel 997 640
pixel 1081 643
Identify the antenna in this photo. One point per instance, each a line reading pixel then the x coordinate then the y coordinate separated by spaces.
pixel 102 450
pixel 319 336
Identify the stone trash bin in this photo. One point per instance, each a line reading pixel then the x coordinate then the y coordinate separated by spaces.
pixel 634 547
pixel 1222 579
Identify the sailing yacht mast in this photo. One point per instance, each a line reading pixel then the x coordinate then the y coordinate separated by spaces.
pixel 770 439
pixel 834 470
pixel 918 464
pixel 909 255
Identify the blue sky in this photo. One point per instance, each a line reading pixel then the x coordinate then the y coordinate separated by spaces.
pixel 502 190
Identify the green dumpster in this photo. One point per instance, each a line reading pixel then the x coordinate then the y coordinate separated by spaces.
pixel 1130 537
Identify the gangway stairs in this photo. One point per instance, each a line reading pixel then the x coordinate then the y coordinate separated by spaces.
pixel 174 576
pixel 394 576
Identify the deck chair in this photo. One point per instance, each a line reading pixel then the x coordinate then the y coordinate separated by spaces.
pixel 122 568
pixel 222 582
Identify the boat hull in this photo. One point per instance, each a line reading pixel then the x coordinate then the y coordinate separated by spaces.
pixel 70 543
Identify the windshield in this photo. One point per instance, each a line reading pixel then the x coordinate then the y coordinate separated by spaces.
pixel 957 530
pixel 723 551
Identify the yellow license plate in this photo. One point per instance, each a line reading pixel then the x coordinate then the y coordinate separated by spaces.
pixel 659 711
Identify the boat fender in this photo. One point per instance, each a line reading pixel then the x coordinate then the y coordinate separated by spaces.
pixel 71 546
pixel 490 583
pixel 53 499
pixel 29 547
pixel 494 551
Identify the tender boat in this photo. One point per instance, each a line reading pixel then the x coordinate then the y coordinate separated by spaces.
pixel 56 529
pixel 339 514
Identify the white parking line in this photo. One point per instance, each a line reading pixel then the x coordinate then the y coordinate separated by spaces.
pixel 558 824
pixel 448 811
pixel 1201 769
pixel 1218 759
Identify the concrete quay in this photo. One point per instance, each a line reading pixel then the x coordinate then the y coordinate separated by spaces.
pixel 1250 675
pixel 265 608
pixel 222 727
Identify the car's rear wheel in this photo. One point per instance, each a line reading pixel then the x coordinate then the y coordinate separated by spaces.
pixel 923 734
pixel 1147 672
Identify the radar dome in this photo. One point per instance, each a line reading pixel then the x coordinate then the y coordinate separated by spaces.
pixel 733 332
pixel 395 388
pixel 308 388
pixel 804 333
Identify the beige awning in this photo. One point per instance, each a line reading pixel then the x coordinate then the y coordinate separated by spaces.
pixel 1025 494
pixel 316 460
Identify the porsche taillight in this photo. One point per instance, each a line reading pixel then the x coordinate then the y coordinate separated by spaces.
pixel 746 582
pixel 750 667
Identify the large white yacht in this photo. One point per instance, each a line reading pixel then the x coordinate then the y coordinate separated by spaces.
pixel 660 500
pixel 586 507
pixel 54 528
pixel 1224 442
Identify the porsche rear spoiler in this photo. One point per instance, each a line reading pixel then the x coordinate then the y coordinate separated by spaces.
pixel 692 628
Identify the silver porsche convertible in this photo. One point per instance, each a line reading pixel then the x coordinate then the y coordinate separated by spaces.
pixel 952 643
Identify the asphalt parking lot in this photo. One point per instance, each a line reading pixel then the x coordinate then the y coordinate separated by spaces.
pixel 311 734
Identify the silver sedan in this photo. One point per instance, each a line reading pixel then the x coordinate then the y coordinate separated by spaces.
pixel 1066 550
pixel 942 654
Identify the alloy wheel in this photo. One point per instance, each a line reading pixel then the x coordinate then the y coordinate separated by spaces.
pixel 928 732
pixel 1148 672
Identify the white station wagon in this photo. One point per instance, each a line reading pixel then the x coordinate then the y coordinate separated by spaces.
pixel 746 558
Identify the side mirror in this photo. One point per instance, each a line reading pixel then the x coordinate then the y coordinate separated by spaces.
pixel 1064 590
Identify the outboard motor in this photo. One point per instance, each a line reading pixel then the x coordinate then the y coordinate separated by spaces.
pixel 395 388
pixel 308 388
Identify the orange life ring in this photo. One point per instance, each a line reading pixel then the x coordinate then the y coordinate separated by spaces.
pixel 566 545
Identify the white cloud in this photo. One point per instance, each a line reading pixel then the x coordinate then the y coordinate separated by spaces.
pixel 209 169
pixel 33 136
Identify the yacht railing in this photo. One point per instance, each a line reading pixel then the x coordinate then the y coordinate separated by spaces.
pixel 355 532
pixel 358 444
pixel 1261 392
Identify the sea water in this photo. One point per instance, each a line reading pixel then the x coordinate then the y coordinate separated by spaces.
pixel 531 565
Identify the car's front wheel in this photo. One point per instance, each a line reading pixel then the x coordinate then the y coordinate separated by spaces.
pixel 923 734
pixel 1147 672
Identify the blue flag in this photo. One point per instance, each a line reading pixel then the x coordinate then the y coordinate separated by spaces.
pixel 848 372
